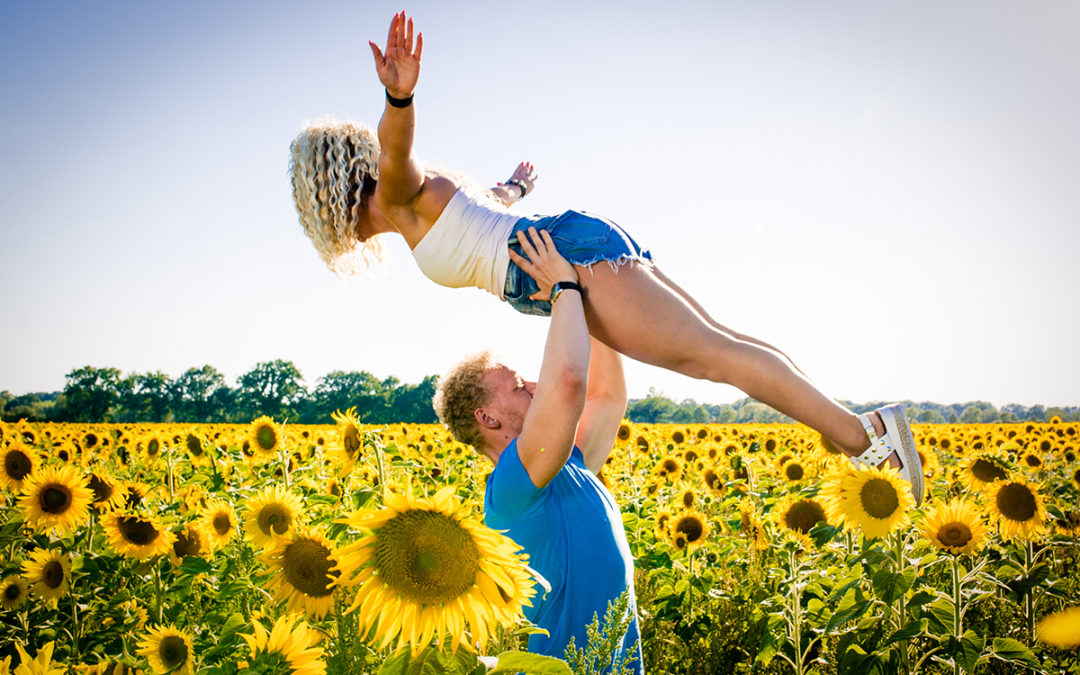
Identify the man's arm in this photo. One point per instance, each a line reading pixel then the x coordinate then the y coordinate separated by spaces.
pixel 547 435
pixel 605 405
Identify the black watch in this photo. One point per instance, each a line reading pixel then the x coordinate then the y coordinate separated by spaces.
pixel 560 286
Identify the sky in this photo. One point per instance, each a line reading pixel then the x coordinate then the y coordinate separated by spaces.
pixel 887 192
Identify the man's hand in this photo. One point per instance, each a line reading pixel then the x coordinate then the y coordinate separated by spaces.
pixel 544 264
pixel 399 66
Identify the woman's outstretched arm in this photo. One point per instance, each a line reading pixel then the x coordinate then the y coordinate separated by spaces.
pixel 400 173
pixel 517 186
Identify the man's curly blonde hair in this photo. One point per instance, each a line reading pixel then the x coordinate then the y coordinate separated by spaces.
pixel 329 165
pixel 459 393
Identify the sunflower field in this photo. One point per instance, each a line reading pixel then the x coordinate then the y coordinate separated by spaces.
pixel 344 548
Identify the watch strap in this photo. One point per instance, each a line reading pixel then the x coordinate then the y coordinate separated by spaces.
pixel 561 286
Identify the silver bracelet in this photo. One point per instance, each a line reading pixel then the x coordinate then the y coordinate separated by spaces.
pixel 519 185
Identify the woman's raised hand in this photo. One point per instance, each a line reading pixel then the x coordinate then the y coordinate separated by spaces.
pixel 526 173
pixel 399 65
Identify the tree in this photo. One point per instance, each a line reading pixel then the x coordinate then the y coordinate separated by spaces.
pixel 90 394
pixel 411 403
pixel 340 390
pixel 149 397
pixel 195 396
pixel 271 388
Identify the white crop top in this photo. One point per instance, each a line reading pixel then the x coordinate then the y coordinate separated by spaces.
pixel 467 245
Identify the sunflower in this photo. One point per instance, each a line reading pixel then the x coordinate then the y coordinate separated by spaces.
pixel 56 498
pixel 108 494
pixel 196 448
pixel 168 650
pixel 150 448
pixel 801 515
pixel 1075 477
pixel 983 470
pixel 1061 629
pixel 19 464
pixel 426 569
pixel 191 539
pixel 663 524
pixel 1032 460
pixel 264 437
pixel 48 573
pixel 692 526
pixel 41 664
pixel 351 440
pixel 875 500
pixel 793 470
pixel 626 430
pixel 136 536
pixel 288 647
pixel 220 518
pixel 271 514
pixel 688 498
pixel 955 527
pixel 1017 508
pixel 303 563
pixel 714 482
pixel 669 468
pixel 13 591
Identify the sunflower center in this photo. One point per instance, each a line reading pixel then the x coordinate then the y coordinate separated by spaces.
pixel 351 439
pixel 12 592
pixel 153 447
pixel 803 515
pixel 55 499
pixel 17 464
pixel 688 498
pixel 52 574
pixel 274 519
pixel 173 652
pixel 691 527
pixel 307 567
pixel 222 524
pixel 427 556
pixel 186 544
pixel 1016 502
pixel 955 535
pixel 194 445
pixel 879 498
pixel 102 489
pixel 987 471
pixel 794 471
pixel 265 437
pixel 137 531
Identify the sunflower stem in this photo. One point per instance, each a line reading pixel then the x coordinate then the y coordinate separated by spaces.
pixel 690 586
pixel 74 622
pixel 957 618
pixel 901 609
pixel 796 614
pixel 1029 597
pixel 171 481
pixel 157 589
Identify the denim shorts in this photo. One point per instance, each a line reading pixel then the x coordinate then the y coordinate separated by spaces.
pixel 582 238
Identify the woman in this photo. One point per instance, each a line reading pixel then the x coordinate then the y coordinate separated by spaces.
pixel 350 187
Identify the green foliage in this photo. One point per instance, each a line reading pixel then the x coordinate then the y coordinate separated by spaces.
pixel 601 654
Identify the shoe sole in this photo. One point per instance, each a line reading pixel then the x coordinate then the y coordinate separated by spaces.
pixel 898 429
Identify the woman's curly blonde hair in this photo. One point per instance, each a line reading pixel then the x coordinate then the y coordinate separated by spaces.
pixel 329 165
pixel 459 393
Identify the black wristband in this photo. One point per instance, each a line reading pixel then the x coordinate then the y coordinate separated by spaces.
pixel 519 185
pixel 398 102
pixel 559 286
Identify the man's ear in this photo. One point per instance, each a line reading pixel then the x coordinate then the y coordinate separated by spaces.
pixel 485 420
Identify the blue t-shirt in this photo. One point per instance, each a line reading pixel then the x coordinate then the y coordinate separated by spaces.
pixel 573 533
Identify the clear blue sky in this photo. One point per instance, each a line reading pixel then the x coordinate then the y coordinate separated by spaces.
pixel 885 191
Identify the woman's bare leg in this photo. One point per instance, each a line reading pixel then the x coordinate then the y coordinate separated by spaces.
pixel 635 313
pixel 666 280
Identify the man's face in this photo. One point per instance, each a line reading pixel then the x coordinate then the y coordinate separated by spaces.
pixel 510 397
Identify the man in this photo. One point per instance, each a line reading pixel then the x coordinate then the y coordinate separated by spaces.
pixel 548 441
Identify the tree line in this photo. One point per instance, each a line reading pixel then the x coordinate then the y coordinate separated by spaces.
pixel 275 388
